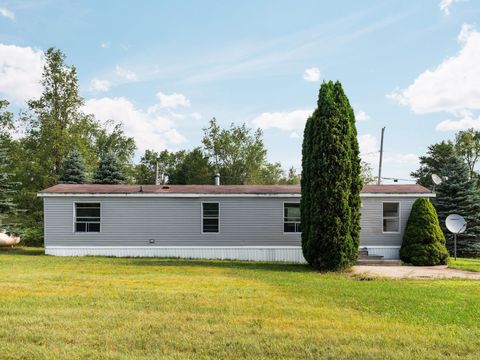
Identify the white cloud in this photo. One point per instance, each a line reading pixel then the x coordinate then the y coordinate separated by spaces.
pixel 445 6
pixel 361 115
pixel 295 135
pixel 7 13
pixel 401 159
pixel 172 101
pixel 289 121
pixel 100 85
pixel 311 74
pixel 369 152
pixel 466 122
pixel 150 130
pixel 20 72
pixel 196 115
pixel 368 147
pixel 125 74
pixel 104 45
pixel 453 86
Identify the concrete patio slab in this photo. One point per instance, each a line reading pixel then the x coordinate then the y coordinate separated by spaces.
pixel 416 272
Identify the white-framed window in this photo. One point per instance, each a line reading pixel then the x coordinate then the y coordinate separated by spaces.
pixel 87 217
pixel 210 217
pixel 391 217
pixel 291 218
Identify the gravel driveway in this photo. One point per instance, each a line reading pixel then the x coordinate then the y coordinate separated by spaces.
pixel 415 272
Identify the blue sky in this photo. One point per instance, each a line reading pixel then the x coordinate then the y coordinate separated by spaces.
pixel 165 68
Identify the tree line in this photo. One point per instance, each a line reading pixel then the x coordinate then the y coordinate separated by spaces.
pixel 459 192
pixel 53 140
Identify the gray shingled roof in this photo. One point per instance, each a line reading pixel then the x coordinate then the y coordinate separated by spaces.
pixel 216 189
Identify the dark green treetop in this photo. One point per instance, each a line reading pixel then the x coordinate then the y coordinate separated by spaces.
pixel 458 194
pixel 109 170
pixel 73 169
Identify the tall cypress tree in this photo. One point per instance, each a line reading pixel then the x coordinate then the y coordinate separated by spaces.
pixel 331 183
pixel 73 169
pixel 458 194
pixel 356 175
pixel 109 170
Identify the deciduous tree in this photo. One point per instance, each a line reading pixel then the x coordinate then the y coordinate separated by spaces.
pixel 433 162
pixel 467 146
pixel 236 153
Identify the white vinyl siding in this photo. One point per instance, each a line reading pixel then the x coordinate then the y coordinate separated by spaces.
pixel 170 222
pixel 177 222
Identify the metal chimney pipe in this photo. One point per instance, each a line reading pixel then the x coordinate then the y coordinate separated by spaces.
pixel 217 179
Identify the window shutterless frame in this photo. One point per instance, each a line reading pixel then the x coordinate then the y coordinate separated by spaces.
pixel 392 217
pixel 297 223
pixel 202 217
pixel 74 205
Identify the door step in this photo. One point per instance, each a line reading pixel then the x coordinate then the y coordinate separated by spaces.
pixel 370 257
pixel 374 260
pixel 366 262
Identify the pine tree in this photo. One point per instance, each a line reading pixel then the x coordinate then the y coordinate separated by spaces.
pixel 109 170
pixel 423 242
pixel 8 208
pixel 458 194
pixel 330 183
pixel 8 186
pixel 73 169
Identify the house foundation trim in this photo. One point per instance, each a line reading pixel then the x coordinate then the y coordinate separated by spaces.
pixel 248 253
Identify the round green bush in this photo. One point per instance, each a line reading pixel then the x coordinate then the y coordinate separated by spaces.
pixel 423 241
pixel 31 236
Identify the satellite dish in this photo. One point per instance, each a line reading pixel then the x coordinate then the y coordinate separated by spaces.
pixel 456 223
pixel 437 180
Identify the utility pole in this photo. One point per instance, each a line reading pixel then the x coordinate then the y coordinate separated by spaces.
pixel 379 182
pixel 157 180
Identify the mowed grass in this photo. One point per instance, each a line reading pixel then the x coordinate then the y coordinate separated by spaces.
pixel 464 264
pixel 75 308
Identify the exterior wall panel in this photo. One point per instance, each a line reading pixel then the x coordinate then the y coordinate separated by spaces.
pixel 170 222
pixel 371 221
pixel 251 228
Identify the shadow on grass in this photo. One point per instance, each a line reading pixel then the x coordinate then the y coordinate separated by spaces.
pixel 172 262
pixel 227 264
pixel 29 251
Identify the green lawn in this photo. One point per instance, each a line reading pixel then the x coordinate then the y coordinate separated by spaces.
pixel 465 264
pixel 72 308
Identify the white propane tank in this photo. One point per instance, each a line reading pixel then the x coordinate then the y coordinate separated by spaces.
pixel 7 240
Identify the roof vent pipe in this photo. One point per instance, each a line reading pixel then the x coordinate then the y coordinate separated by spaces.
pixel 217 179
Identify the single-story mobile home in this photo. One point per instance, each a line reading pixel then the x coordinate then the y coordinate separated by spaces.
pixel 245 222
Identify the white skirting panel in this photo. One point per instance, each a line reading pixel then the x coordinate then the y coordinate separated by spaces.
pixel 388 252
pixel 253 253
pixel 249 253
